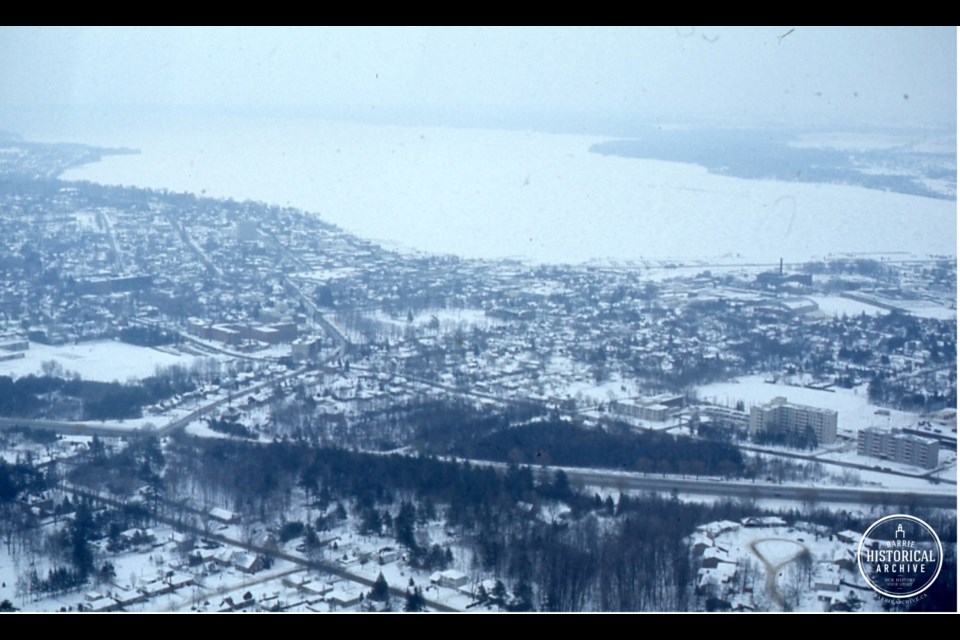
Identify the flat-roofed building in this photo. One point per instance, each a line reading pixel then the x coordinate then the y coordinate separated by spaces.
pixel 780 416
pixel 898 446
pixel 655 409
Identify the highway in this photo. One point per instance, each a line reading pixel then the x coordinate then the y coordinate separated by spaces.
pixel 803 494
pixel 104 429
pixel 68 428
pixel 814 457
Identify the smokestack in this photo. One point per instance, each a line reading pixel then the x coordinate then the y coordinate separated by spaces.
pixel 781 267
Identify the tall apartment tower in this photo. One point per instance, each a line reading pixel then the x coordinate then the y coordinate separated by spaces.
pixel 780 416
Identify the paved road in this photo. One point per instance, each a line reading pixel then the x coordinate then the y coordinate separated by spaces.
pixel 205 346
pixel 68 428
pixel 190 242
pixel 108 430
pixel 773 570
pixel 850 495
pixel 622 481
pixel 210 407
pixel 210 593
pixel 316 565
pixel 812 457
pixel 318 315
pixel 606 479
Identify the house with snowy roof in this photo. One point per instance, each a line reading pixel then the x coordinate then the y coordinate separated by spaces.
pixel 223 515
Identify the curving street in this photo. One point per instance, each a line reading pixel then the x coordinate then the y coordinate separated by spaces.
pixel 773 569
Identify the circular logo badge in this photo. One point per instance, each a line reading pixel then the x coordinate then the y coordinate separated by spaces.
pixel 900 556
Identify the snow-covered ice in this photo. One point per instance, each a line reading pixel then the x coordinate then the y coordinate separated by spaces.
pixel 544 197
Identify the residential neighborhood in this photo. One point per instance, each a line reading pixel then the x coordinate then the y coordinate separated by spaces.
pixel 212 405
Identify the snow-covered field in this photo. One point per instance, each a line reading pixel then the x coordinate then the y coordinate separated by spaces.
pixel 484 193
pixel 106 360
pixel 9 570
pixel 613 389
pixel 838 305
pixel 853 407
pixel 929 310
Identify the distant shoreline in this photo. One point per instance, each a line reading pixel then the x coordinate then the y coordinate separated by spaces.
pixel 97 154
pixel 783 155
pixel 543 198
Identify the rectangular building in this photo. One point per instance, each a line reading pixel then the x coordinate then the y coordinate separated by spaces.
pixel 655 409
pixel 14 343
pixel 780 416
pixel 898 446
pixel 228 334
pixel 304 349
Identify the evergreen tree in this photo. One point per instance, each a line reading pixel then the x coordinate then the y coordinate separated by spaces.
pixel 404 525
pixel 482 595
pixel 415 600
pixel 380 591
pixel 522 597
pixel 80 534
pixel 499 595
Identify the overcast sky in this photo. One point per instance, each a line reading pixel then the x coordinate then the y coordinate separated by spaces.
pixel 818 76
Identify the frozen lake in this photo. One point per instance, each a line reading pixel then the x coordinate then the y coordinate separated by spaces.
pixel 492 194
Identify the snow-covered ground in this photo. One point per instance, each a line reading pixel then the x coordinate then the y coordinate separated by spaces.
pixel 838 305
pixel 924 309
pixel 486 194
pixel 850 455
pixel 613 389
pixel 901 483
pixel 854 411
pixel 8 576
pixel 861 141
pixel 328 275
pixel 447 319
pixel 754 551
pixel 105 360
pixel 200 429
pixel 86 220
